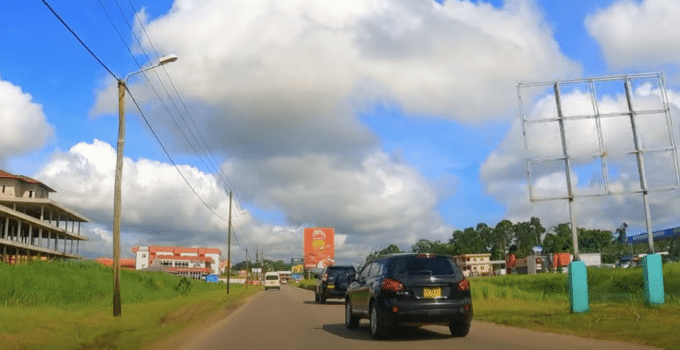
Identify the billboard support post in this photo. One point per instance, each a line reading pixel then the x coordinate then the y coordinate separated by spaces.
pixel 578 274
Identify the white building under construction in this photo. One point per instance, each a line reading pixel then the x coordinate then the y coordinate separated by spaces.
pixel 32 226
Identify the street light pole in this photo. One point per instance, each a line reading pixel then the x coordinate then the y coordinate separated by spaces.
pixel 119 179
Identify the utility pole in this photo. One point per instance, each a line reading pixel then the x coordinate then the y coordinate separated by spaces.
pixel 247 267
pixel 229 247
pixel 118 181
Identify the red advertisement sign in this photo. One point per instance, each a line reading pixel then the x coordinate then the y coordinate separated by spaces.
pixel 319 244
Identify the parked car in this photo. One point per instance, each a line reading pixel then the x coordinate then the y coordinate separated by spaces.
pixel 271 280
pixel 410 289
pixel 333 282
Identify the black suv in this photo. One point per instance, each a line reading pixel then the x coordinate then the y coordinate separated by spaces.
pixel 333 282
pixel 410 289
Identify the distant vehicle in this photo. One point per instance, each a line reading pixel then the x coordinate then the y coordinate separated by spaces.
pixel 333 282
pixel 271 280
pixel 285 276
pixel 625 261
pixel 410 289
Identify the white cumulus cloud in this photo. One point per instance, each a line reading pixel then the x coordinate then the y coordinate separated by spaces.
pixel 20 117
pixel 634 34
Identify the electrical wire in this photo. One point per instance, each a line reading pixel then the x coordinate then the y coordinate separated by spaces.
pixel 78 38
pixel 219 172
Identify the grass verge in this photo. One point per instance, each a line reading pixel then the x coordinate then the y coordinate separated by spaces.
pixel 154 306
pixel 626 322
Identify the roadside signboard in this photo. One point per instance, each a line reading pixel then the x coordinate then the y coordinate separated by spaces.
pixel 319 245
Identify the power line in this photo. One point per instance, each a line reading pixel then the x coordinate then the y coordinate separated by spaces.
pixel 204 148
pixel 217 171
pixel 78 38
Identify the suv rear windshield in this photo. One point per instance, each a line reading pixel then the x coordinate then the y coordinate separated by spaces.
pixel 271 277
pixel 340 270
pixel 421 265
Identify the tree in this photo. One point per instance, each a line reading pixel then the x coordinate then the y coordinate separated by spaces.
pixel 621 231
pixel 468 241
pixel 560 241
pixel 391 249
pixel 528 235
pixel 486 235
pixel 594 241
pixel 503 235
pixel 436 247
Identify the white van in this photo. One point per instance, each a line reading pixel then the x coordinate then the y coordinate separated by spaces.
pixel 271 280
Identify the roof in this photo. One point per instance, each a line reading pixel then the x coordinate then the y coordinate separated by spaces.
pixel 188 258
pixel 131 263
pixel 25 179
pixel 153 249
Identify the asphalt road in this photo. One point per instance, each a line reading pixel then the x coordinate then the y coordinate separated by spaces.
pixel 290 319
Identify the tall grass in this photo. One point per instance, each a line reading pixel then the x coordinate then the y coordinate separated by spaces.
pixel 604 285
pixel 78 283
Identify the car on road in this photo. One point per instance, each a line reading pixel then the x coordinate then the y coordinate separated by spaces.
pixel 409 289
pixel 333 282
pixel 272 280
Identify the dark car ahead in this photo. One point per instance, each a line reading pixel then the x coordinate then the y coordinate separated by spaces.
pixel 410 289
pixel 333 282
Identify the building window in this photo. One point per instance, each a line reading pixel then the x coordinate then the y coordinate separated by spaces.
pixel 144 255
pixel 30 194
pixel 166 263
pixel 181 264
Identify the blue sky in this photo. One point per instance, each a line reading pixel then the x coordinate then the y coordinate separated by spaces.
pixel 390 120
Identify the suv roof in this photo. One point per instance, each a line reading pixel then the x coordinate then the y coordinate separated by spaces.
pixel 400 264
pixel 340 267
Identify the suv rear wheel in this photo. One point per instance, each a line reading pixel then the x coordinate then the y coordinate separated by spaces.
pixel 459 329
pixel 351 321
pixel 379 326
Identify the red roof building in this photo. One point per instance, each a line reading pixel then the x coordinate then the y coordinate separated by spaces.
pixel 124 263
pixel 192 262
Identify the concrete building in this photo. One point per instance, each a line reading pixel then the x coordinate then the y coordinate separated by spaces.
pixel 474 264
pixel 32 226
pixel 190 262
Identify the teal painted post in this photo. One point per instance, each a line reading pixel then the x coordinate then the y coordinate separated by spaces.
pixel 578 287
pixel 652 273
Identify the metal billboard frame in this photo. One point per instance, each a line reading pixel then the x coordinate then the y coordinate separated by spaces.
pixel 597 115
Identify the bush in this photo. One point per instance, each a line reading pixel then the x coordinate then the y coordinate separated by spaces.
pixel 183 286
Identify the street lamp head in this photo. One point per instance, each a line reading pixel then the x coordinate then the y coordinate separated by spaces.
pixel 163 60
pixel 167 59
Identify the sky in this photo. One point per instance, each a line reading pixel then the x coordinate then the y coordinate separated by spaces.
pixel 389 120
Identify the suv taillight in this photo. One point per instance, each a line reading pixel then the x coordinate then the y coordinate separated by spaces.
pixel 464 285
pixel 392 285
pixel 325 277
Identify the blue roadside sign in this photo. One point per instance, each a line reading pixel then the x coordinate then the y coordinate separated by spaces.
pixel 658 235
pixel 212 278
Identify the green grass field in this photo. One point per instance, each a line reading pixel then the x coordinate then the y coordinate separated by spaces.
pixel 617 307
pixel 67 305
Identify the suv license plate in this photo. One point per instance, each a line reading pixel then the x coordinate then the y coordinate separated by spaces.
pixel 331 286
pixel 432 292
